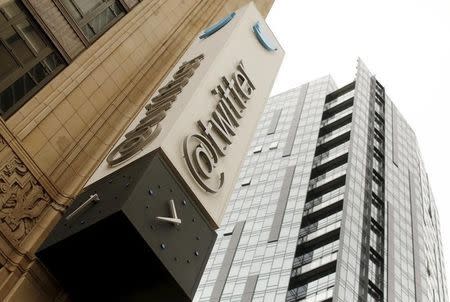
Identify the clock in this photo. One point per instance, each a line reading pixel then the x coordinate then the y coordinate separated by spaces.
pixel 135 235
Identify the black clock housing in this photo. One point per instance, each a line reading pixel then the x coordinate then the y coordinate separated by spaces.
pixel 115 249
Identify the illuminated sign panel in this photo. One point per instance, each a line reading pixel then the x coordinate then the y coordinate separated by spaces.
pixel 203 116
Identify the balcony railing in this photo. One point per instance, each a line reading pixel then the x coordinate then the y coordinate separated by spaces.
pixel 305 292
pixel 339 99
pixel 333 134
pixel 330 154
pixel 305 283
pixel 330 110
pixel 322 210
pixel 326 188
pixel 326 259
pixel 327 177
pixel 315 254
pixel 330 165
pixel 336 120
pixel 309 233
pixel 324 295
pixel 332 195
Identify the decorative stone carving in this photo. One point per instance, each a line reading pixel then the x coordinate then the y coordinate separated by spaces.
pixel 3 143
pixel 22 199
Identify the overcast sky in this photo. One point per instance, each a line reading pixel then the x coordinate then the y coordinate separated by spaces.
pixel 406 44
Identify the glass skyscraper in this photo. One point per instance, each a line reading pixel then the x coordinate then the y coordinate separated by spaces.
pixel 332 204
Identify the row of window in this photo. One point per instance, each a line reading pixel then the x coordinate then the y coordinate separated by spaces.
pixel 28 58
pixel 322 228
pixel 93 17
pixel 272 146
pixel 376 261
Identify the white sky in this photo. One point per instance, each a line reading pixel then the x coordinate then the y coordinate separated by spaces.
pixel 406 44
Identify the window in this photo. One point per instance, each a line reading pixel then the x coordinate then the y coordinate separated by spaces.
pixel 375 271
pixel 376 211
pixel 93 17
pixel 257 149
pixel 273 145
pixel 27 59
pixel 246 181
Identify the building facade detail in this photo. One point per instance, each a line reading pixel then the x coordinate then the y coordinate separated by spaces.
pixel 22 199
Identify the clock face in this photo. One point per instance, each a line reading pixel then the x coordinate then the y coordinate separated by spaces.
pixel 172 225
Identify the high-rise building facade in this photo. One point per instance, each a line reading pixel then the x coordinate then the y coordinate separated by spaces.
pixel 332 204
pixel 74 74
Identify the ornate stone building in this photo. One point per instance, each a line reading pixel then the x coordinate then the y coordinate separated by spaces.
pixel 73 75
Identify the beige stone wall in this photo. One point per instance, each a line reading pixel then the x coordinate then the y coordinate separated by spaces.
pixel 27 214
pixel 51 146
pixel 50 17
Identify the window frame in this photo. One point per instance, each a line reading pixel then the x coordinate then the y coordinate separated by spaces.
pixel 78 25
pixel 246 181
pixel 273 145
pixel 257 149
pixel 24 68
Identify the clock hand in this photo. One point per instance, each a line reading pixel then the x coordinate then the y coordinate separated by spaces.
pixel 176 221
pixel 172 209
